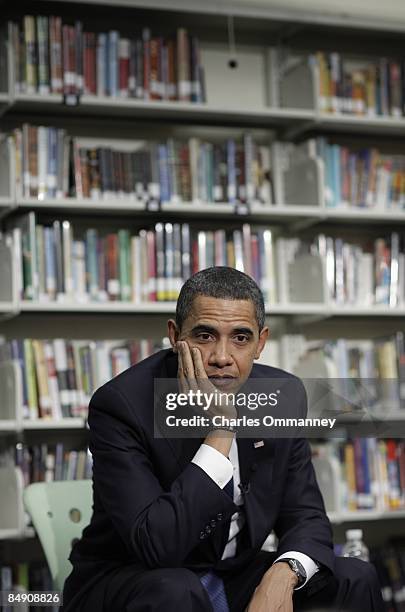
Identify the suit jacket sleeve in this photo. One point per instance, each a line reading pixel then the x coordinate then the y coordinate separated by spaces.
pixel 158 527
pixel 302 523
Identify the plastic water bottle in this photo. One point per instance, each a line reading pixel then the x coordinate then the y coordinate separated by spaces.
pixel 354 546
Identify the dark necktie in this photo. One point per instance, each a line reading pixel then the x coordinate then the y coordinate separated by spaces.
pixel 212 583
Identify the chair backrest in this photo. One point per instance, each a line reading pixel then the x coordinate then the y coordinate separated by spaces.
pixel 59 510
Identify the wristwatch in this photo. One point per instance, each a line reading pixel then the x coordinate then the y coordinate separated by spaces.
pixel 231 428
pixel 297 568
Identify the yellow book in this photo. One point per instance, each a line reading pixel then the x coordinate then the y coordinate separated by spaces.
pixel 350 477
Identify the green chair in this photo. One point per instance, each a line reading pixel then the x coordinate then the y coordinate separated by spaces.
pixel 60 511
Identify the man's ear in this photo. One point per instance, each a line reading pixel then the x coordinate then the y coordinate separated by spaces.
pixel 173 333
pixel 263 336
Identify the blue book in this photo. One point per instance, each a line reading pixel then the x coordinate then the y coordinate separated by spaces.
pixel 113 41
pixel 17 353
pixel 329 177
pixel 52 170
pixel 164 175
pixel 50 263
pixel 336 175
pixel 231 162
pixel 92 273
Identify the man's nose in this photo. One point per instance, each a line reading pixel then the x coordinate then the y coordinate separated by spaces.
pixel 221 356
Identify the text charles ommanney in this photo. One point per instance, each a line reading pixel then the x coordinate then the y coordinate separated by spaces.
pixel 244 421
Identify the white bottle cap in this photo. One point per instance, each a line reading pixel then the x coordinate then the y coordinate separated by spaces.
pixel 354 534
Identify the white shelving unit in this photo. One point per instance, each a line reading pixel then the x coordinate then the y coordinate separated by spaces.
pixel 365 515
pixel 44 424
pixel 193 113
pixel 287 120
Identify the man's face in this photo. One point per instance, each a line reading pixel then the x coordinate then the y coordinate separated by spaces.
pixel 227 334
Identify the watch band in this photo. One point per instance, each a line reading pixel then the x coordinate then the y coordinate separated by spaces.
pixel 231 428
pixel 297 568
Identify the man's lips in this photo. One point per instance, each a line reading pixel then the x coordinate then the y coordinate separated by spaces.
pixel 222 381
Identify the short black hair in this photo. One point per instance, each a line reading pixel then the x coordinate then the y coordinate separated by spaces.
pixel 220 282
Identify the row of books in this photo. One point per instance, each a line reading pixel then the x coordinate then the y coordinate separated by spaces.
pixel 50 462
pixel 64 262
pixel 376 367
pixel 51 56
pixel 24 577
pixel 362 178
pixel 370 472
pixel 50 164
pixel 59 376
pixel 355 273
pixel 360 86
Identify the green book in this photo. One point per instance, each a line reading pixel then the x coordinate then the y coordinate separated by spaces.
pixel 124 260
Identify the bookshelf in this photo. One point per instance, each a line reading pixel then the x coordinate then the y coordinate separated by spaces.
pixel 285 109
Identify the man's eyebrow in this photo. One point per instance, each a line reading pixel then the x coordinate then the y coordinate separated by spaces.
pixel 243 330
pixel 212 330
pixel 203 328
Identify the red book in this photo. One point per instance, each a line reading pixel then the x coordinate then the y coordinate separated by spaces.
pixel 113 283
pixel 255 272
pixel 154 83
pixel 195 262
pixel 123 65
pixel 69 60
pixel 89 62
pixel 55 55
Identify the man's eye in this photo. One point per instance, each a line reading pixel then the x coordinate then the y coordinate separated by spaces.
pixel 204 336
pixel 241 338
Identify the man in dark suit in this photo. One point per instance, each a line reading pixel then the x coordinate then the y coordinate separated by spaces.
pixel 178 524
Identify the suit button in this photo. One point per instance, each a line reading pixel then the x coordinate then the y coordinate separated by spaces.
pixel 208 529
pixel 213 522
pixel 219 516
pixel 253 467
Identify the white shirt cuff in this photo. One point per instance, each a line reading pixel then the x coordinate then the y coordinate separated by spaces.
pixel 214 463
pixel 308 564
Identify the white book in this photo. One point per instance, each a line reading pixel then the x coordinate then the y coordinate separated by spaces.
pixel 61 365
pixel 103 361
pixel 202 250
pixel 79 271
pixel 268 267
pixel 238 247
pixel 265 193
pixel 366 280
pixel 53 385
pixel 401 279
pixel 394 271
pixel 286 250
